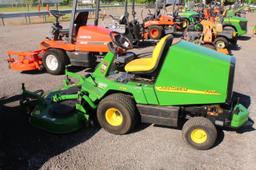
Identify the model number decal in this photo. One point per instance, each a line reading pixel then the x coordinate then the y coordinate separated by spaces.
pixel 174 89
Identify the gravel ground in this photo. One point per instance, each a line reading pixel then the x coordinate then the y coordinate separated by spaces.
pixel 149 147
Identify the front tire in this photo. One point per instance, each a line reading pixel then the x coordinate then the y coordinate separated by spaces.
pixel 54 61
pixel 117 114
pixel 200 133
pixel 221 43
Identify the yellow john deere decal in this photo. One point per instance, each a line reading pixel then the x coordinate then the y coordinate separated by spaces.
pixel 123 88
pixel 186 90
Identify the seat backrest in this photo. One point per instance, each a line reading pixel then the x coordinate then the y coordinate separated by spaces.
pixel 151 65
pixel 80 20
pixel 159 48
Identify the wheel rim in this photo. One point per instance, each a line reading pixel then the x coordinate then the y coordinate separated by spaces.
pixel 220 44
pixel 198 136
pixel 114 117
pixel 184 24
pixel 52 62
pixel 154 33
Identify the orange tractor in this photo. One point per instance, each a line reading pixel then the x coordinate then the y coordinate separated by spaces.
pixel 157 25
pixel 80 45
pixel 154 25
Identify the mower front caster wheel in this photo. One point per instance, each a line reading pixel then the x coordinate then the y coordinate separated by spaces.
pixel 54 61
pixel 200 133
pixel 221 43
pixel 117 114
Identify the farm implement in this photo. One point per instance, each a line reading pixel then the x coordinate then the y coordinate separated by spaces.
pixel 154 25
pixel 180 82
pixel 79 45
pixel 230 20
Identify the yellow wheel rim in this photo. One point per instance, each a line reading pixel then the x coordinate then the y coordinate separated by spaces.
pixel 114 117
pixel 199 136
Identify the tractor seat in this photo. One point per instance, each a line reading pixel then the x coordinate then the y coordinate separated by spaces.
pixel 148 65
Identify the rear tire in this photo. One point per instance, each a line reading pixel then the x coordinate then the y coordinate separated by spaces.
pixel 54 61
pixel 200 133
pixel 117 114
pixel 155 32
pixel 221 43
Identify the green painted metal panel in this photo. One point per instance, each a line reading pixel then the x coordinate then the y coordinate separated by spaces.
pixel 187 14
pixel 235 21
pixel 240 117
pixel 150 94
pixel 192 74
pixel 98 85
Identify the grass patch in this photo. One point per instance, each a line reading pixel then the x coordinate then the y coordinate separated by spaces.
pixel 24 9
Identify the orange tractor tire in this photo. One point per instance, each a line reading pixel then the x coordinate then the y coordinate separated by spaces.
pixel 155 32
pixel 55 60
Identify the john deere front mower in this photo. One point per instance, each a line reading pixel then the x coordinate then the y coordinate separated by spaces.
pixel 180 82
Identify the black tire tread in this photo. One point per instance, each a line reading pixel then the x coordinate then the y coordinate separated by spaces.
pixel 124 100
pixel 202 122
pixel 222 39
pixel 61 56
pixel 160 30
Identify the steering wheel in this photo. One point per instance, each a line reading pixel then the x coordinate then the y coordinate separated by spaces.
pixel 56 13
pixel 111 16
pixel 120 40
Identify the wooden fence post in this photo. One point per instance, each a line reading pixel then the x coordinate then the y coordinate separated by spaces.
pixel 3 21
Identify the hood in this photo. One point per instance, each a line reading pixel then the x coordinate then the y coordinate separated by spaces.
pixel 93 34
pixel 197 70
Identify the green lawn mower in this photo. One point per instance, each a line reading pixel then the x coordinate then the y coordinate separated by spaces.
pixel 180 82
pixel 230 21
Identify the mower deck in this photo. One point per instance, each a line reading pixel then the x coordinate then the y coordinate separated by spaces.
pixel 63 116
pixel 26 61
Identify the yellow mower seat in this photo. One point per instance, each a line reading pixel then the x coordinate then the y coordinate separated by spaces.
pixel 148 64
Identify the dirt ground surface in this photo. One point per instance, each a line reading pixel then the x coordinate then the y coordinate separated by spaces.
pixel 149 147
